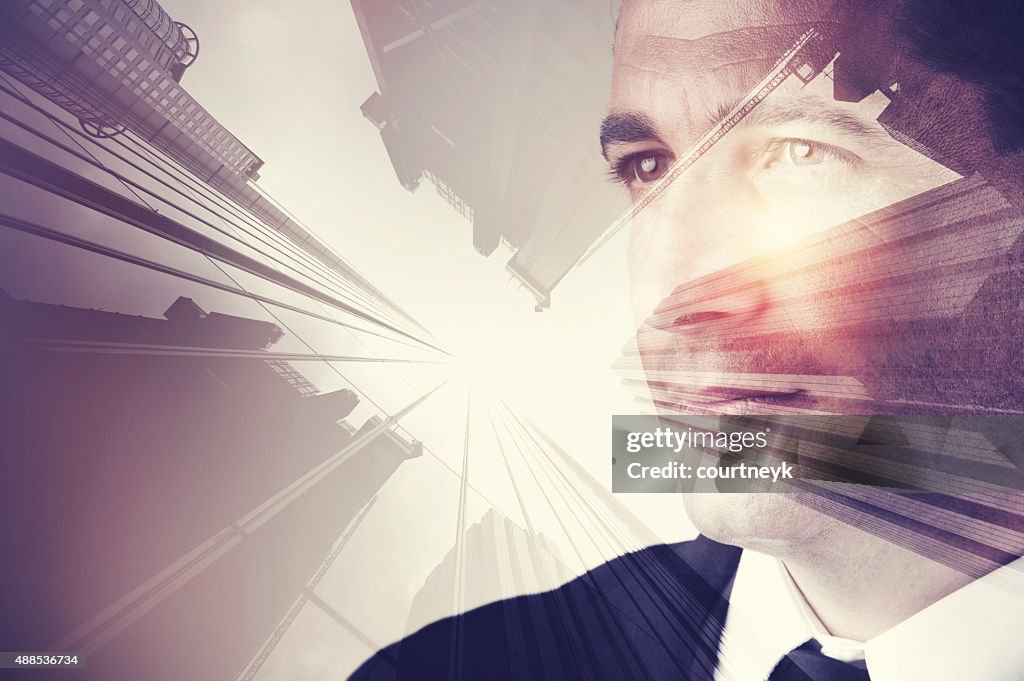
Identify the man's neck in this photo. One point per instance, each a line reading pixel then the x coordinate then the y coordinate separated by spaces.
pixel 861 593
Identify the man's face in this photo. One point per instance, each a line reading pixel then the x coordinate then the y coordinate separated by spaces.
pixel 754 339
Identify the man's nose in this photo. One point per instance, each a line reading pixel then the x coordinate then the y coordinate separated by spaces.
pixel 704 222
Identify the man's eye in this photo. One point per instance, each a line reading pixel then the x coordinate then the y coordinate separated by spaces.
pixel 642 168
pixel 802 152
pixel 798 152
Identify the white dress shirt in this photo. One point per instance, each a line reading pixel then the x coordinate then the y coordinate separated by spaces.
pixel 976 633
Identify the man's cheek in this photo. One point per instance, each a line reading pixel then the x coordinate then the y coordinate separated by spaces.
pixel 655 348
pixel 655 254
pixel 647 294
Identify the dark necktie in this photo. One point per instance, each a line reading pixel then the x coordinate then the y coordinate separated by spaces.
pixel 807 663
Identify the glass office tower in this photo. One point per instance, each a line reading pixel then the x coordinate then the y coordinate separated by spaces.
pixel 199 396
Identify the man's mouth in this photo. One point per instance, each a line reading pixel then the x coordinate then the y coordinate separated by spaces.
pixel 732 401
pixel 753 396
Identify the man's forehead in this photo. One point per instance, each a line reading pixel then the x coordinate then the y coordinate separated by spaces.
pixel 669 35
pixel 679 62
pixel 694 19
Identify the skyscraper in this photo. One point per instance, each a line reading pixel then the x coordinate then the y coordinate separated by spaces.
pixel 505 561
pixel 142 455
pixel 116 66
pixel 493 103
pixel 186 432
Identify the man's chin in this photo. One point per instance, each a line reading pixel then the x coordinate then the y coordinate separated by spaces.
pixel 772 523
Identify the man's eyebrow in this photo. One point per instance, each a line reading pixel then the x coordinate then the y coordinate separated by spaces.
pixel 633 126
pixel 813 111
pixel 626 127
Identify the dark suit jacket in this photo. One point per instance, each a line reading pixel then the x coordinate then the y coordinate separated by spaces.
pixel 653 614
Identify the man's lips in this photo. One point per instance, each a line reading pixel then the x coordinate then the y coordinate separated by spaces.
pixel 714 395
pixel 713 401
pixel 699 310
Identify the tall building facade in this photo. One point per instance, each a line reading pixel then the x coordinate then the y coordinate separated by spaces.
pixel 499 560
pixel 117 66
pixel 193 385
pixel 494 103
pixel 142 456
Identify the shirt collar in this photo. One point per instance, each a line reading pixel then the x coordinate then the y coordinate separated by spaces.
pixel 763 622
pixel 973 633
pixel 836 647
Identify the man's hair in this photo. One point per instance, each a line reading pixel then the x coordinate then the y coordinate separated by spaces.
pixel 981 42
